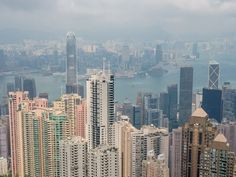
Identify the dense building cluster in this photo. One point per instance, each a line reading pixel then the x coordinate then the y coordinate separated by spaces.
pixel 92 136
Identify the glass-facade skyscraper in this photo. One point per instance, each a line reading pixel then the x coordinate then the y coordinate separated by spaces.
pixel 185 94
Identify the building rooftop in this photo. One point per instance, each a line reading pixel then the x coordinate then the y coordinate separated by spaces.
pixel 213 62
pixel 220 138
pixel 199 112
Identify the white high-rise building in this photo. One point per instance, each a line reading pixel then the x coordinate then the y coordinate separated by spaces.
pixel 100 107
pixel 214 73
pixel 73 157
pixel 103 161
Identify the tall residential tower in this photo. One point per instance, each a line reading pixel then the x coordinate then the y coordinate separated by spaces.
pixel 100 107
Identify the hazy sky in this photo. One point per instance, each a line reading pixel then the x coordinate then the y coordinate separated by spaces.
pixel 117 18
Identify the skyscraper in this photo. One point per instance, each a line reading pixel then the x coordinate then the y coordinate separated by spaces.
pixel 30 86
pixel 16 137
pixel 172 105
pixel 100 107
pixel 73 157
pixel 176 155
pixel 212 103
pixel 197 134
pixel 214 73
pixel 71 63
pixel 121 139
pixel 229 102
pixel 217 160
pixel 67 104
pixel 4 137
pixel 185 94
pixel 18 83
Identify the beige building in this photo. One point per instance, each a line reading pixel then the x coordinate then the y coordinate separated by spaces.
pixel 217 160
pixel 103 161
pixel 73 157
pixel 155 167
pixel 67 104
pixel 121 139
pixel 197 135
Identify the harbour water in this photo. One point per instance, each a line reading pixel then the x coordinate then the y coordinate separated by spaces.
pixel 129 88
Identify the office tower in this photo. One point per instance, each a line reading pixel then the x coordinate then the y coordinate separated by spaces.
pixel 154 117
pixel 121 139
pixel 103 161
pixel 185 93
pixel 43 95
pixel 18 83
pixel 16 137
pixel 229 102
pixel 67 104
pixel 164 103
pixel 71 63
pixel 217 160
pixel 3 166
pixel 155 166
pixel 100 107
pixel 81 90
pixel 4 137
pixel 212 103
pixel 136 117
pixel 29 85
pixel 73 157
pixel 80 118
pixel 150 101
pixel 229 131
pixel 197 134
pixel 172 105
pixel 72 88
pixel 176 155
pixel 214 73
pixel 159 53
pixel 195 52
pixel 127 109
pixel 10 87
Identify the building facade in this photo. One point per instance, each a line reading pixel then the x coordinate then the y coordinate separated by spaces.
pixel 185 93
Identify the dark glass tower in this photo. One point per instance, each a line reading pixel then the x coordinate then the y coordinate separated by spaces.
pixel 30 86
pixel 172 106
pixel 212 103
pixel 185 94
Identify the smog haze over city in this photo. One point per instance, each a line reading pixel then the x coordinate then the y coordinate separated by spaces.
pixel 117 88
pixel 118 19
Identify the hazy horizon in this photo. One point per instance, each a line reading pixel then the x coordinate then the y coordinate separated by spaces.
pixel 119 19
